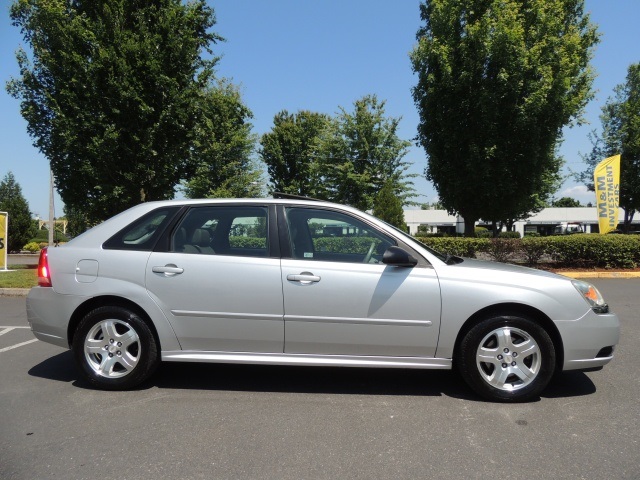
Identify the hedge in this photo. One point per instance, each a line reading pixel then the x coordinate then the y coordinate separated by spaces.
pixel 459 246
pixel 359 245
pixel 247 242
pixel 583 250
pixel 603 251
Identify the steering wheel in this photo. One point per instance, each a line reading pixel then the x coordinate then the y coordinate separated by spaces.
pixel 369 254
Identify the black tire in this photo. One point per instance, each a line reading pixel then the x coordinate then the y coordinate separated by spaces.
pixel 506 377
pixel 114 348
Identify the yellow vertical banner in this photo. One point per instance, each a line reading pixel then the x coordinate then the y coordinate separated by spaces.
pixel 606 179
pixel 4 232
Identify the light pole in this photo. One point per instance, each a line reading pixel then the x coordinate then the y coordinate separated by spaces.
pixel 52 224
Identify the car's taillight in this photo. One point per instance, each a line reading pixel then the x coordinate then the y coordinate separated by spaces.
pixel 44 274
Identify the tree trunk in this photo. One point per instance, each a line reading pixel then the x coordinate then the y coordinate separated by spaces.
pixel 628 218
pixel 469 227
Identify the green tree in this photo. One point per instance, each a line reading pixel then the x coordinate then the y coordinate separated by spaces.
pixel 360 152
pixel 620 120
pixel 388 207
pixel 567 202
pixel 497 81
pixel 79 222
pixel 289 151
pixel 112 95
pixel 21 228
pixel 223 147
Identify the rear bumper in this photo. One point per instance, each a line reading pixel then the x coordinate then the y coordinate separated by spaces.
pixel 48 314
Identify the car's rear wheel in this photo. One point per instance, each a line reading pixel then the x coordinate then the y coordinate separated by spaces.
pixel 114 348
pixel 507 358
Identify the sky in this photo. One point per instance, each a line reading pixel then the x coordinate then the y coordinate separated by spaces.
pixel 320 56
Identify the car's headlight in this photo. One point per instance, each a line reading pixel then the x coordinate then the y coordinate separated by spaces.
pixel 592 296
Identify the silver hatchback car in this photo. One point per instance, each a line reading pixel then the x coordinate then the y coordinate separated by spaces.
pixel 301 282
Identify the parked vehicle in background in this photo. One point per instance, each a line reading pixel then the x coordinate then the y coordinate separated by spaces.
pixel 567 229
pixel 302 282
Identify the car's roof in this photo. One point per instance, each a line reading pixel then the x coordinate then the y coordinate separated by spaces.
pixel 185 201
pixel 236 201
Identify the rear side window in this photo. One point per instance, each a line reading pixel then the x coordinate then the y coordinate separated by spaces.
pixel 223 230
pixel 143 233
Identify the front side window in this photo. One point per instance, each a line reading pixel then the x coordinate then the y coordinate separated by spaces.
pixel 330 236
pixel 223 230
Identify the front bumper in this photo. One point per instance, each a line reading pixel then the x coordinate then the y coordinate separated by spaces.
pixel 589 341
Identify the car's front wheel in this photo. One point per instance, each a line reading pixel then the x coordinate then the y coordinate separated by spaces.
pixel 114 348
pixel 507 358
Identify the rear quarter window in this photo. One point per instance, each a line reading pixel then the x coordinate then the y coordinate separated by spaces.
pixel 143 233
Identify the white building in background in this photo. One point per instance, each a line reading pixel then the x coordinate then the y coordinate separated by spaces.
pixel 542 222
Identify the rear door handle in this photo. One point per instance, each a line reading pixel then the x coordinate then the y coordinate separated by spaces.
pixel 304 277
pixel 169 270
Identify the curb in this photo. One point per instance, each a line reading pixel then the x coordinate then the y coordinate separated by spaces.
pixel 14 292
pixel 600 274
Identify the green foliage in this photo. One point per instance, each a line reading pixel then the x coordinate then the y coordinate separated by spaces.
pixel 509 235
pixel 602 251
pixel 23 277
pixel 223 147
pixel 42 235
pixel 115 96
pixel 32 247
pixel 497 82
pixel 79 221
pixel 532 249
pixel 247 242
pixel 12 201
pixel 359 152
pixel 567 202
pixel 388 207
pixel 583 250
pixel 502 249
pixel 459 246
pixel 481 232
pixel 358 245
pixel 620 120
pixel 290 152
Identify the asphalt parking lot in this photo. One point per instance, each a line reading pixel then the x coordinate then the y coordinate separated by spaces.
pixel 231 421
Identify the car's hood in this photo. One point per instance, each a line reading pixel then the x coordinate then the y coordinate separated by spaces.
pixel 469 263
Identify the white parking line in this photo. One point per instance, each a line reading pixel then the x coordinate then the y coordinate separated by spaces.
pixel 17 345
pixel 12 326
pixel 6 329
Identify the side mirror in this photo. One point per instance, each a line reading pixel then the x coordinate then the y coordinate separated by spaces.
pixel 397 257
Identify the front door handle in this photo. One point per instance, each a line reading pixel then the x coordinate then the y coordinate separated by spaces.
pixel 304 277
pixel 169 270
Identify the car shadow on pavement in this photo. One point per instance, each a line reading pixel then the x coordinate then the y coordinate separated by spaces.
pixel 292 379
pixel 569 384
pixel 60 367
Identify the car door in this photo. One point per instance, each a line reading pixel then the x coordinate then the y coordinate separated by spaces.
pixel 219 283
pixel 339 299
